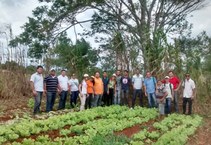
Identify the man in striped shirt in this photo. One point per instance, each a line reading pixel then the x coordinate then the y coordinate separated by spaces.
pixel 51 85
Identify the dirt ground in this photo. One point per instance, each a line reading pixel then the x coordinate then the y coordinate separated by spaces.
pixel 10 109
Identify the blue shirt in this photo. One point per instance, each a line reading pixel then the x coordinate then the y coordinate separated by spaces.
pixel 150 84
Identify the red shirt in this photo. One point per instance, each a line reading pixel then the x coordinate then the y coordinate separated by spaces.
pixel 175 81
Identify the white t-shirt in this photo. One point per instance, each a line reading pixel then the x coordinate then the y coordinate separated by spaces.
pixel 189 85
pixel 169 90
pixel 84 87
pixel 138 81
pixel 63 82
pixel 37 79
pixel 73 85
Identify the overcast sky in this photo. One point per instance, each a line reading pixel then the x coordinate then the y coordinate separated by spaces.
pixel 16 12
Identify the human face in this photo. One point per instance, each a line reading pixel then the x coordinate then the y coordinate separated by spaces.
pixel 148 74
pixel 137 72
pixel 187 76
pixel 53 73
pixel 171 74
pixel 97 74
pixel 73 76
pixel 104 74
pixel 63 73
pixel 40 70
pixel 126 73
pixel 118 73
pixel 167 80
pixel 159 83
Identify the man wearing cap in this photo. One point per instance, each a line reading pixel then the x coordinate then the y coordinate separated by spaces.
pixel 137 81
pixel 189 92
pixel 51 85
pixel 98 90
pixel 168 88
pixel 63 83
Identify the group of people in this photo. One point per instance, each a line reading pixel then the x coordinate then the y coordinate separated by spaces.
pixel 95 91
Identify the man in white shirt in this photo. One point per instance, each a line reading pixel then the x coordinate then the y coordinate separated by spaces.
pixel 137 81
pixel 63 83
pixel 170 93
pixel 188 93
pixel 36 82
pixel 73 82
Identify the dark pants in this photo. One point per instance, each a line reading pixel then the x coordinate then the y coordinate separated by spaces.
pixel 176 101
pixel 51 97
pixel 73 98
pixel 37 102
pixel 88 103
pixel 62 100
pixel 110 97
pixel 168 106
pixel 139 93
pixel 189 101
pixel 105 98
pixel 125 97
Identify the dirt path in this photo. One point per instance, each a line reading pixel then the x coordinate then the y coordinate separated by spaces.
pixel 203 134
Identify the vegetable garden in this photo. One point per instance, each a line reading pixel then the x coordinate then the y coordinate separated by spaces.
pixel 102 125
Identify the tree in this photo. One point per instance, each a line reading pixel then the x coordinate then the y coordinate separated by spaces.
pixel 79 58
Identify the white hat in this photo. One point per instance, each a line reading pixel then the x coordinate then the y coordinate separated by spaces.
pixel 92 77
pixel 114 75
pixel 86 75
pixel 166 77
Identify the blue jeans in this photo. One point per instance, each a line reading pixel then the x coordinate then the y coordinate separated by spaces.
pixel 37 102
pixel 99 102
pixel 51 97
pixel 73 98
pixel 62 100
pixel 168 106
pixel 117 97
pixel 151 100
pixel 139 93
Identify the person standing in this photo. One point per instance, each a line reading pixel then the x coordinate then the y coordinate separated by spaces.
pixel 83 91
pixel 36 82
pixel 125 86
pixel 161 97
pixel 90 92
pixel 149 89
pixel 105 88
pixel 64 85
pixel 111 90
pixel 189 93
pixel 51 85
pixel 176 83
pixel 170 93
pixel 137 81
pixel 74 84
pixel 98 90
pixel 117 95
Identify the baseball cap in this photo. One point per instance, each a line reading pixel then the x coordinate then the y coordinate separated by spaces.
pixel 166 77
pixel 86 75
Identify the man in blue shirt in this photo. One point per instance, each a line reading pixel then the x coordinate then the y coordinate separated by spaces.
pixel 150 87
pixel 125 86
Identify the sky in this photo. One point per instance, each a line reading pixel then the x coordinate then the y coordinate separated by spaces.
pixel 15 12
